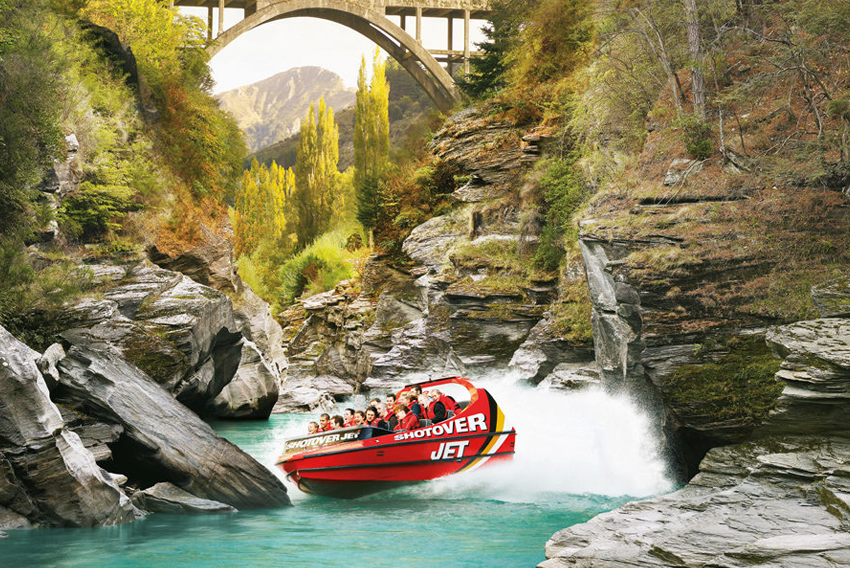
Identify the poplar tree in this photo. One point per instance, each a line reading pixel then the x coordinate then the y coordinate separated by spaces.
pixel 316 175
pixel 371 139
pixel 259 206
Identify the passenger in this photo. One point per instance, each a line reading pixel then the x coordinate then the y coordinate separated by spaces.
pixel 325 422
pixel 337 422
pixel 372 418
pixel 389 414
pixel 436 410
pixel 313 428
pixel 406 420
pixel 450 403
pixel 348 416
pixel 413 404
pixel 359 418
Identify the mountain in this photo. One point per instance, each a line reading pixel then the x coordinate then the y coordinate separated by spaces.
pixel 270 110
pixel 409 105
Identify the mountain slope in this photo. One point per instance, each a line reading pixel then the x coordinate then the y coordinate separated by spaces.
pixel 272 109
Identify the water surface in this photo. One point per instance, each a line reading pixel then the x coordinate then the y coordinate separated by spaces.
pixel 577 455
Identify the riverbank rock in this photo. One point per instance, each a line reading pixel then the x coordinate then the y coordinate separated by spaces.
pixel 781 501
pixel 162 440
pixel 253 391
pixel 48 476
pixel 544 351
pixel 181 333
pixel 168 498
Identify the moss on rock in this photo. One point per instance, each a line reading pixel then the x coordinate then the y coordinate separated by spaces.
pixel 737 385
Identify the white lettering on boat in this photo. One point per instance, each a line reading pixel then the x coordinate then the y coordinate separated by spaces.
pixel 449 450
pixel 462 425
pixel 320 441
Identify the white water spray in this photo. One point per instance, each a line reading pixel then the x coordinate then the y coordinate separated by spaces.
pixel 568 443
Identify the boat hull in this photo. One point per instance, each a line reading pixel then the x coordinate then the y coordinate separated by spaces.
pixel 378 460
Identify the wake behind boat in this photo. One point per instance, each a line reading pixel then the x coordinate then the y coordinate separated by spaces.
pixel 351 462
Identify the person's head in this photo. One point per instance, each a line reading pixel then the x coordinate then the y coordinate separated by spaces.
pixel 416 390
pixel 312 428
pixel 338 421
pixel 359 417
pixel 400 411
pixel 391 400
pixel 324 419
pixel 371 414
pixel 435 394
pixel 380 407
pixel 347 414
pixel 423 399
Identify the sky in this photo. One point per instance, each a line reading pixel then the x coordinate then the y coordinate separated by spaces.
pixel 298 42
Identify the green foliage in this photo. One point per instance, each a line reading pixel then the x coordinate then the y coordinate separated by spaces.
pixel 95 210
pixel 571 315
pixel 696 135
pixel 317 268
pixel 30 107
pixel 259 207
pixel 738 384
pixel 564 191
pixel 371 138
pixel 317 180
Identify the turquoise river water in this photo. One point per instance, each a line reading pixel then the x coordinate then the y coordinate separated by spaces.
pixel 577 455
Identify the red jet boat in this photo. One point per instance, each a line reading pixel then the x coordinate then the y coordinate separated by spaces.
pixel 352 462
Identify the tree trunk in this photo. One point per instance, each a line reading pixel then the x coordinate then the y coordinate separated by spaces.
pixel 695 50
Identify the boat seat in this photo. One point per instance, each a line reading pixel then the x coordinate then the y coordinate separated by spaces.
pixel 423 422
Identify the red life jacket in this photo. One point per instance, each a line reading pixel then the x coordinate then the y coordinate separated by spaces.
pixel 409 422
pixel 328 428
pixel 349 423
pixel 450 403
pixel 375 423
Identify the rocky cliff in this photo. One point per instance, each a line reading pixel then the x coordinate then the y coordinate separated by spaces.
pixel 464 299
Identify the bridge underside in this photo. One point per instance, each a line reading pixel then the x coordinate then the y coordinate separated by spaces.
pixel 369 18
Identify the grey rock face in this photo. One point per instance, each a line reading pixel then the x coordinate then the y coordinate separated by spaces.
pixel 168 498
pixel 181 333
pixel 430 242
pixel 680 169
pixel 816 373
pixel 832 299
pixel 542 352
pixel 780 502
pixel 166 437
pixel 49 477
pixel 253 391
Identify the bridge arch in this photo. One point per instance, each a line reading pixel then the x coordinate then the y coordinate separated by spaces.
pixel 370 22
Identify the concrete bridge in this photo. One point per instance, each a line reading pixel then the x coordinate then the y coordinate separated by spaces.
pixel 370 18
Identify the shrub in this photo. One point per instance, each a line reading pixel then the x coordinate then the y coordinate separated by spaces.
pixel 564 191
pixel 696 134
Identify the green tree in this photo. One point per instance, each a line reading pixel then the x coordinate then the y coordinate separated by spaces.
pixel 316 175
pixel 371 138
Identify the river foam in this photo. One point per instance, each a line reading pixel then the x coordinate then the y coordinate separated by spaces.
pixel 568 443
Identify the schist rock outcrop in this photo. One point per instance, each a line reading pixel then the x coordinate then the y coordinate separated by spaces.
pixel 136 366
pixel 710 310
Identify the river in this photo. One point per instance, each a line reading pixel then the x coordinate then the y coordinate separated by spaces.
pixel 577 455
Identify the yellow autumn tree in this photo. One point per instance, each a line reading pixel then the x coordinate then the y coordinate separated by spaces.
pixel 259 206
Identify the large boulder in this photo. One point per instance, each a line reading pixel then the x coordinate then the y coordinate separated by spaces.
pixel 49 477
pixel 253 392
pixel 166 497
pixel 160 435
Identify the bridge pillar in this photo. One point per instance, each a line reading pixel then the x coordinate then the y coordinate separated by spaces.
pixel 209 24
pixel 403 22
pixel 220 17
pixel 466 43
pixel 450 59
pixel 419 24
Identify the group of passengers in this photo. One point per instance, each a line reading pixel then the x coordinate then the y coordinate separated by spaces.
pixel 399 415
